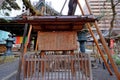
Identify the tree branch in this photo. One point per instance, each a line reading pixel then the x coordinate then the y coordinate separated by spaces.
pixel 30 7
pixel 113 17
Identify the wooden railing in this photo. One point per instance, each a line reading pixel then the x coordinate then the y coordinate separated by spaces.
pixel 57 67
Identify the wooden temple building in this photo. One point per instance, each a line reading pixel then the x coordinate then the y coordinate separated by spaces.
pixel 55 34
pixel 54 57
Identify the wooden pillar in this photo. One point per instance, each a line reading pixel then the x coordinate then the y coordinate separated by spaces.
pixel 36 46
pixel 115 68
pixel 28 38
pixel 101 53
pixel 25 48
pixel 21 56
pixel 72 64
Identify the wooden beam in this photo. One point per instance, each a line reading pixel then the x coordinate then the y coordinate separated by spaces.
pixel 115 68
pixel 100 51
pixel 96 42
pixel 28 37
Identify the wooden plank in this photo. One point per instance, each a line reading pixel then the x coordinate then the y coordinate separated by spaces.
pixel 58 27
pixel 40 20
pixel 60 40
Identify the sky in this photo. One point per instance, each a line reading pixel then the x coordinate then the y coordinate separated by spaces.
pixel 56 4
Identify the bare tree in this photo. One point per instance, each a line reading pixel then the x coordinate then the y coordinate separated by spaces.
pixel 114 3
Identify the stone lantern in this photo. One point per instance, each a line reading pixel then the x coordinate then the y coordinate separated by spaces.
pixel 82 39
pixel 9 43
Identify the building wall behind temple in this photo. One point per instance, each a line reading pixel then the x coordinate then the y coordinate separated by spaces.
pixel 103 8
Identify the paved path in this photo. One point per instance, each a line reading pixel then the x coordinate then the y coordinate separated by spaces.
pixel 102 74
pixel 8 69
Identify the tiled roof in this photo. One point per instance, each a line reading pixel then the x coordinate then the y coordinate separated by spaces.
pixel 49 9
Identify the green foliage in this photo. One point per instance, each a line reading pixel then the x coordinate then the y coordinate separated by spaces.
pixel 6 13
pixel 116 59
pixel 9 5
pixel 2 20
pixel 13 4
pixel 5 59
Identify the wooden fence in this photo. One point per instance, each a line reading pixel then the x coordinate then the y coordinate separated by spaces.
pixel 57 67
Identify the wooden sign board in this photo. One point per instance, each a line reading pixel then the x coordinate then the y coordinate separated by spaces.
pixel 59 40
